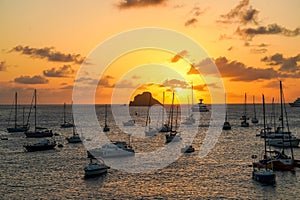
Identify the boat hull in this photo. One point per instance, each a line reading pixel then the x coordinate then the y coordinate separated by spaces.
pixel 31 148
pixel 17 129
pixel 285 143
pixel 39 134
pixel 266 177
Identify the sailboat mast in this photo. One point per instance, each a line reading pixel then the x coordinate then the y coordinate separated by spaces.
pixel 254 106
pixel 264 114
pixel 225 109
pixel 163 110
pixel 172 110
pixel 16 109
pixel 273 113
pixel 64 112
pixel 35 110
pixel 105 117
pixel 281 107
pixel 23 116
pixel 245 102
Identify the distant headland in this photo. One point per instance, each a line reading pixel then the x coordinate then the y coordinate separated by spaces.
pixel 143 100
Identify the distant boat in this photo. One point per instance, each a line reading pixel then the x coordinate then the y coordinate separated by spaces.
pixel 38 132
pixel 188 149
pixel 264 174
pixel 173 135
pixel 106 127
pixel 254 120
pixel 165 126
pixel 66 124
pixel 129 123
pixel 75 138
pixel 115 149
pixel 200 107
pixel 244 117
pixel 296 103
pixel 149 131
pixel 226 125
pixel 43 145
pixel 18 128
pixel 95 169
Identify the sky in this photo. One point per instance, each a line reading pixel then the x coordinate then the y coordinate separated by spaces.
pixel 54 45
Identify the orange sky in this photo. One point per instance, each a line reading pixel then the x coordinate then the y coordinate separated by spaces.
pixel 254 44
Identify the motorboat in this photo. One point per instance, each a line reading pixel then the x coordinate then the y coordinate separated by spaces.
pixel 115 149
pixel 129 123
pixel 43 145
pixel 188 149
pixel 200 107
pixel 95 169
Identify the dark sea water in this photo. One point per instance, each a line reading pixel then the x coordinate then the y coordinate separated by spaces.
pixel 222 174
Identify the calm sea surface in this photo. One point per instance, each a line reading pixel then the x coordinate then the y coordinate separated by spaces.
pixel 223 173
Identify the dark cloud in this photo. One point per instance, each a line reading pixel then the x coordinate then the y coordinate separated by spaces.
pixel 243 13
pixel 271 29
pixel 48 53
pixel 193 70
pixel 200 87
pixel 31 80
pixel 179 56
pixel 2 66
pixel 68 87
pixel 105 82
pixel 258 50
pixel 238 71
pixel 139 3
pixel 288 65
pixel 194 14
pixel 190 22
pixel 64 71
pixel 230 48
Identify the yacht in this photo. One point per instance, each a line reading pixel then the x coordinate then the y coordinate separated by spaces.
pixel 43 145
pixel 115 149
pixel 296 103
pixel 95 169
pixel 200 107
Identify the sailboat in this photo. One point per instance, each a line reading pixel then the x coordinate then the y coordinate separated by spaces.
pixel 254 120
pixel 149 132
pixel 226 125
pixel 38 132
pixel 75 138
pixel 106 127
pixel 264 174
pixel 16 127
pixel 165 126
pixel 66 124
pixel 244 117
pixel 172 135
pixel 279 160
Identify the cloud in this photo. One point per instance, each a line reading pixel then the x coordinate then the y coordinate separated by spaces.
pixel 105 82
pixel 139 3
pixel 190 22
pixel 243 13
pixel 288 65
pixel 238 71
pixel 126 84
pixel 194 14
pixel 64 71
pixel 48 53
pixel 258 50
pixel 2 66
pixel 68 87
pixel 193 70
pixel 179 56
pixel 271 29
pixel 31 80
pixel 174 83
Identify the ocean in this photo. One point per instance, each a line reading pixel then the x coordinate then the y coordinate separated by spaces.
pixel 224 173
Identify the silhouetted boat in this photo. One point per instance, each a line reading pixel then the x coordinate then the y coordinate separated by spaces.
pixel 188 149
pixel 226 125
pixel 254 120
pixel 38 132
pixel 264 174
pixel 296 103
pixel 95 169
pixel 43 145
pixel 66 124
pixel 17 128
pixel 106 127
pixel 244 117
